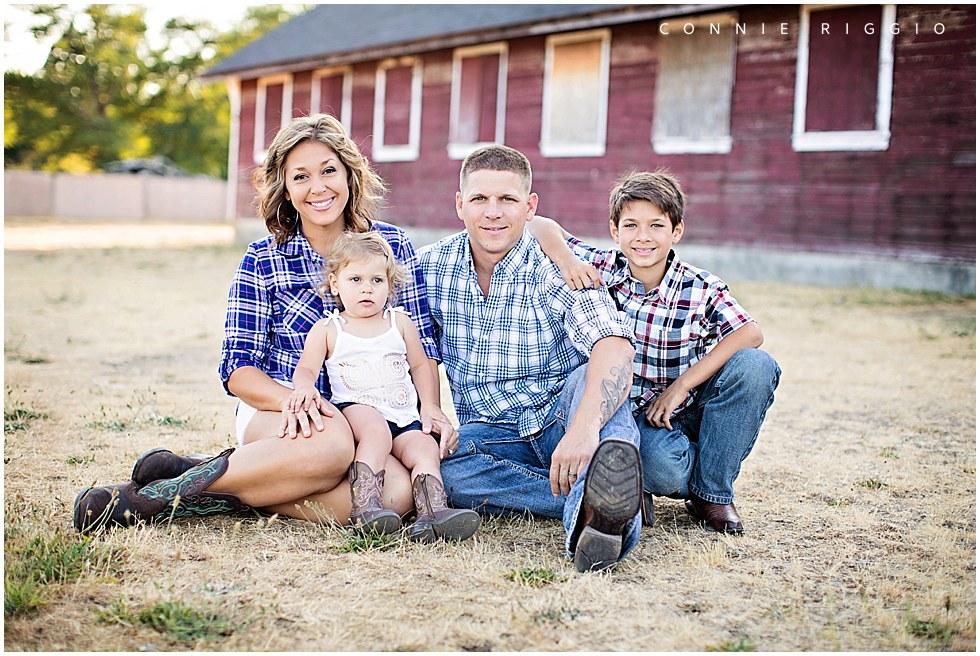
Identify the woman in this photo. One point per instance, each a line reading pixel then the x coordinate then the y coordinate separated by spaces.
pixel 313 186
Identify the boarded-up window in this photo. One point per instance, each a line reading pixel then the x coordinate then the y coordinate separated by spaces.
pixel 397 110
pixel 478 98
pixel 842 85
pixel 576 95
pixel 273 105
pixel 331 94
pixel 695 74
pixel 844 78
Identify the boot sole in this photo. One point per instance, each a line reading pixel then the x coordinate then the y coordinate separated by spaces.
pixel 613 489
pixel 454 529
pixel 384 525
pixel 79 515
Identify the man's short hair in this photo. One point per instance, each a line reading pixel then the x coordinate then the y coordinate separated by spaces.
pixel 497 157
pixel 659 188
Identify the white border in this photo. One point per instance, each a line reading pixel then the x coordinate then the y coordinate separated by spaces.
pixel 381 152
pixel 877 139
pixel 258 147
pixel 718 144
pixel 551 148
pixel 459 150
pixel 346 91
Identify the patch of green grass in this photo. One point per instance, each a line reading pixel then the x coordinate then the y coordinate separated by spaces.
pixel 18 418
pixel 534 577
pixel 32 565
pixel 742 644
pixel 361 541
pixel 79 460
pixel 933 630
pixel 889 452
pixel 139 412
pixel 555 615
pixel 172 619
pixel 873 484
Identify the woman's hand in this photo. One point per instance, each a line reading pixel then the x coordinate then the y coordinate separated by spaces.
pixel 300 410
pixel 434 420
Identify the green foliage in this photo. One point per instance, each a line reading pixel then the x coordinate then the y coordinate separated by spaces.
pixel 18 418
pixel 174 620
pixel 34 563
pixel 742 644
pixel 360 541
pixel 933 630
pixel 534 577
pixel 106 93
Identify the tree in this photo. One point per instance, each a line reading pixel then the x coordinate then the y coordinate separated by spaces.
pixel 106 94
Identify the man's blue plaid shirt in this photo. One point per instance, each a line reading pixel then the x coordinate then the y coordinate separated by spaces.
pixel 507 355
pixel 273 303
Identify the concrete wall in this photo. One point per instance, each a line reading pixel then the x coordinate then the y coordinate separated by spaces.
pixel 115 197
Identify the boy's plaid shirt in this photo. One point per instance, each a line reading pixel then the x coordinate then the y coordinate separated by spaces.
pixel 675 324
pixel 273 303
pixel 507 355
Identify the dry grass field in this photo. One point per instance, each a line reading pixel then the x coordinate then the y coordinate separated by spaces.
pixel 859 499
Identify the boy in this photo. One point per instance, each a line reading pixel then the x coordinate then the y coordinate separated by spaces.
pixel 701 387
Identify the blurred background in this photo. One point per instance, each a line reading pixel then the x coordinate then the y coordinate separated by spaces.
pixel 831 145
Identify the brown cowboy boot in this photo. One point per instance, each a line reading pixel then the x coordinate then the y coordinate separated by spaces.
pixel 128 503
pixel 434 518
pixel 160 463
pixel 366 512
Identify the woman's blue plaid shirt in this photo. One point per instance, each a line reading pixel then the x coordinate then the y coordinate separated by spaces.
pixel 273 303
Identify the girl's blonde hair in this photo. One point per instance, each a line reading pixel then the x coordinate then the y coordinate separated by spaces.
pixel 352 246
pixel 367 189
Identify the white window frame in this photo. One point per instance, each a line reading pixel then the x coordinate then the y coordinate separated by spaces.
pixel 259 149
pixel 877 139
pixel 459 150
pixel 597 149
pixel 401 152
pixel 347 87
pixel 702 145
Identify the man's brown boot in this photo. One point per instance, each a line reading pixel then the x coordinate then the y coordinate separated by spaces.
pixel 366 512
pixel 435 519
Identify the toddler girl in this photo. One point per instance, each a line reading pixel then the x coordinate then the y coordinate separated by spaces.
pixel 378 373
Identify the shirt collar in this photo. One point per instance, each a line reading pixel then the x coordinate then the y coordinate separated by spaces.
pixel 299 246
pixel 672 275
pixel 512 261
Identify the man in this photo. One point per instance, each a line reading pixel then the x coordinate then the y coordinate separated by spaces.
pixel 539 372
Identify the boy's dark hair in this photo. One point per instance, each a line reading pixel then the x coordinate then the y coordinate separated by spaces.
pixel 659 188
pixel 496 157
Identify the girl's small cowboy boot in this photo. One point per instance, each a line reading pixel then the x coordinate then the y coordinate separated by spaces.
pixel 435 519
pixel 366 512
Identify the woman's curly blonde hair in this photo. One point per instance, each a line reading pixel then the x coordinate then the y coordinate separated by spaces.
pixel 367 189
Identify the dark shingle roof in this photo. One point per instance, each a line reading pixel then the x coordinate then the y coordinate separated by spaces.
pixel 332 31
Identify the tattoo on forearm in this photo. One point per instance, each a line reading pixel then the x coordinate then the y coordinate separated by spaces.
pixel 614 389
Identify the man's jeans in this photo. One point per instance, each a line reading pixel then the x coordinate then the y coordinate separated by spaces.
pixel 496 471
pixel 703 454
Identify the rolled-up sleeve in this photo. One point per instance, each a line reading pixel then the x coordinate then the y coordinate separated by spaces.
pixel 249 311
pixel 589 315
pixel 412 296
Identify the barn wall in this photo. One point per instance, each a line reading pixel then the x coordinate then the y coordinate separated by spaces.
pixel 917 198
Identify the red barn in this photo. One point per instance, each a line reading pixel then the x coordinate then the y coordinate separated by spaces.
pixel 816 143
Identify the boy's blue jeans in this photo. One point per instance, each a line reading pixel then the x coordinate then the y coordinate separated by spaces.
pixel 703 454
pixel 496 471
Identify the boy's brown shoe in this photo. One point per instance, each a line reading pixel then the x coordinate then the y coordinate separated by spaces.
pixel 717 517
